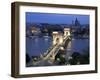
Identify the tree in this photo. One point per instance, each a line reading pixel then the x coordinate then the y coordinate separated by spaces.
pixel 27 58
pixel 76 57
pixel 85 56
pixel 61 57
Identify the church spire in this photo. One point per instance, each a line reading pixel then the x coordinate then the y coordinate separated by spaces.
pixel 77 23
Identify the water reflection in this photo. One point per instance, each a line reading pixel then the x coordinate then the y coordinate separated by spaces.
pixel 39 45
pixel 78 45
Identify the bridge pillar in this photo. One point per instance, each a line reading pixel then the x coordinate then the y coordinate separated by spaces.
pixel 67 32
pixel 52 58
pixel 57 37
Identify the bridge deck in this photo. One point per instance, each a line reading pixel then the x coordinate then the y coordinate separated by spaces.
pixel 53 50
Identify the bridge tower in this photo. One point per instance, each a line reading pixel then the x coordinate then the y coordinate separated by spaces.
pixel 57 37
pixel 67 32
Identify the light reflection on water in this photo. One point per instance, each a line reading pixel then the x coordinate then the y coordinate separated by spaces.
pixel 38 45
pixel 79 45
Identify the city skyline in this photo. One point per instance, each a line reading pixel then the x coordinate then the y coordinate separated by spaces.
pixel 55 18
pixel 52 40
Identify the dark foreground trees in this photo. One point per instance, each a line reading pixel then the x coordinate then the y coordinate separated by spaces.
pixel 27 58
pixel 78 58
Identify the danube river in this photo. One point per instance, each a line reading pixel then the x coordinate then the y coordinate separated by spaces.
pixel 38 45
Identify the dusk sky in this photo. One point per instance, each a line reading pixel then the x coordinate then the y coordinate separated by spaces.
pixel 55 18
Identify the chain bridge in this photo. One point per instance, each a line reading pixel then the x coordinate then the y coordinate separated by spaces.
pixel 59 40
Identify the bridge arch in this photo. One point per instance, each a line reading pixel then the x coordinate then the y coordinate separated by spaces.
pixel 57 37
pixel 67 32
